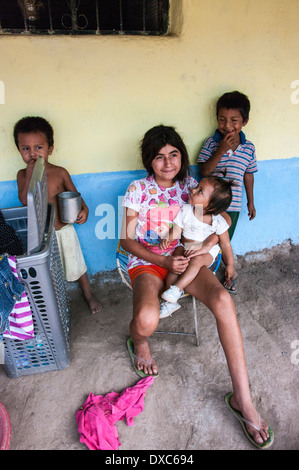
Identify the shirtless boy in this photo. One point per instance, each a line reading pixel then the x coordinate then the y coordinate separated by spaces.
pixel 34 137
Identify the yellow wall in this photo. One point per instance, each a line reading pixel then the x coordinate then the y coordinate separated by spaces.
pixel 102 93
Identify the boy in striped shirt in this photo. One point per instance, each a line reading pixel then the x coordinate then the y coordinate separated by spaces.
pixel 229 150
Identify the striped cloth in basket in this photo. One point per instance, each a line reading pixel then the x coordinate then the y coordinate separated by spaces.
pixel 20 318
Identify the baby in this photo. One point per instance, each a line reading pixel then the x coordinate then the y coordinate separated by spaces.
pixel 34 137
pixel 196 221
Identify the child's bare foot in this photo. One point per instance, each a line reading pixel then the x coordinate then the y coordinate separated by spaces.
pixel 94 304
pixel 91 300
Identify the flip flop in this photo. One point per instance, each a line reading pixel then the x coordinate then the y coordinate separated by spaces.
pixel 133 356
pixel 243 422
pixel 232 283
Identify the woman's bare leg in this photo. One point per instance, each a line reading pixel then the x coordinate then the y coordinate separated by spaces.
pixel 208 290
pixel 146 292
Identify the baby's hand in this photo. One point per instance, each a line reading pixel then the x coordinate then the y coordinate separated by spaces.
pixel 194 249
pixel 164 244
pixel 229 271
pixel 191 253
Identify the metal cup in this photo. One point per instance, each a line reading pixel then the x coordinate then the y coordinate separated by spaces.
pixel 69 203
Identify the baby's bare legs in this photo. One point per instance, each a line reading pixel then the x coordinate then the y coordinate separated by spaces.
pixel 172 278
pixel 195 265
pixel 91 300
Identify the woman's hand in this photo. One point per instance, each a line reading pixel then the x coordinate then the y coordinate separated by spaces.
pixel 176 264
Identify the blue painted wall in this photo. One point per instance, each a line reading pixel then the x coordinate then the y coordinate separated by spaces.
pixel 276 192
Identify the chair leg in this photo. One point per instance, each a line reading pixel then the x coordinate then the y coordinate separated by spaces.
pixel 195 320
pixel 195 333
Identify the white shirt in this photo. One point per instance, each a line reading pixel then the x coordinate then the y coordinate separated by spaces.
pixel 194 229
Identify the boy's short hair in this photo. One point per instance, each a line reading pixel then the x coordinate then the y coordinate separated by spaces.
pixel 221 197
pixel 155 139
pixel 234 100
pixel 32 124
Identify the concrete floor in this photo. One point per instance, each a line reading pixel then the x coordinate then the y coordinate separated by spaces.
pixel 184 407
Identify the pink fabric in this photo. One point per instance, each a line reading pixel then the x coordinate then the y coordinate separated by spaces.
pixel 97 417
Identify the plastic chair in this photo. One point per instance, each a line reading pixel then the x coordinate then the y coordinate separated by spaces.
pixel 121 263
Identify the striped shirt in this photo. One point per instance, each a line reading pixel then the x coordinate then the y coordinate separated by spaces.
pixel 236 163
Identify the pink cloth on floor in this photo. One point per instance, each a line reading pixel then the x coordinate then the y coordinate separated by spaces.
pixel 97 417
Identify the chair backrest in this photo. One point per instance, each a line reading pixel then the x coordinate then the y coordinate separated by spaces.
pixel 122 261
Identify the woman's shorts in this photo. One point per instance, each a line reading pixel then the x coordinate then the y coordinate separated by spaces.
pixel 72 259
pixel 148 268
